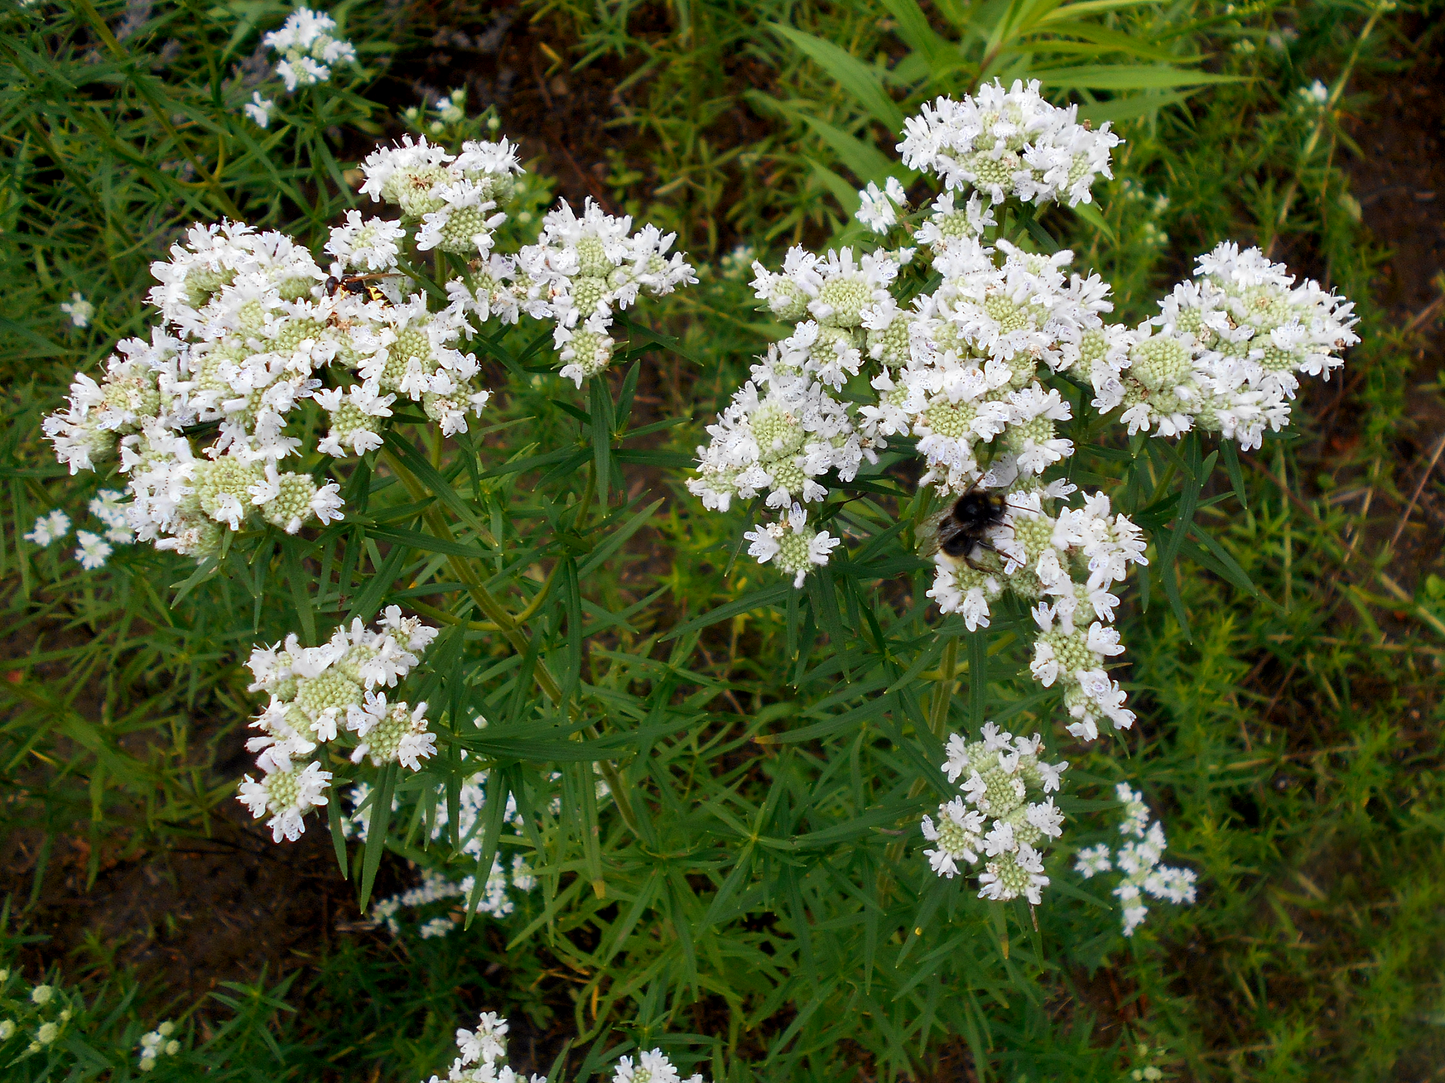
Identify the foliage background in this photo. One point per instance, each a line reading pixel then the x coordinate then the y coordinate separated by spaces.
pixel 1292 747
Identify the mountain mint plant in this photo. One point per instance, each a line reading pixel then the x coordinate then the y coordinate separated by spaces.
pixel 402 439
pixel 962 344
pixel 254 336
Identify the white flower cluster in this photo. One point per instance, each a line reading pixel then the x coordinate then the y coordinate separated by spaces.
pixel 964 363
pixel 43 1014
pixel 578 273
pixel 156 1044
pixel 95 548
pixel 202 414
pixel 969 354
pixel 781 433
pixel 49 528
pixel 878 208
pixel 482 1055
pixel 1064 561
pixel 494 900
pixel 78 309
pixel 653 1066
pixel 582 269
pixel 1009 143
pixel 1224 353
pixel 957 369
pixel 309 48
pixel 794 547
pixel 996 820
pixel 318 693
pixel 1138 860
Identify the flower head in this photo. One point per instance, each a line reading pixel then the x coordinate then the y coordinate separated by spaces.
pixel 78 309
pixel 50 527
pixel 308 48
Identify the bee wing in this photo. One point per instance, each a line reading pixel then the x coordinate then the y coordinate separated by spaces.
pixel 926 537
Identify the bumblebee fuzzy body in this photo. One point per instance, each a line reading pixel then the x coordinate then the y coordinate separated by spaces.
pixel 963 528
pixel 360 285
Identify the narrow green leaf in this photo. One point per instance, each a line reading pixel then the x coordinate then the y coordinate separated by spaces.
pixel 763 596
pixel 493 814
pixel 376 830
pixel 1128 77
pixel 338 836
pixel 854 76
pixel 1236 475
pixel 296 579
pixel 617 538
pixel 1091 214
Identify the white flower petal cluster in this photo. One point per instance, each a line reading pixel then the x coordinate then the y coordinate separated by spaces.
pixel 878 209
pixel 1065 561
pixel 258 109
pixel 454 200
pixel 49 528
pixel 967 385
pixel 965 365
pixel 578 274
pixel 997 821
pixel 250 335
pixel 156 1044
pixel 309 48
pixel 582 269
pixel 1224 353
pixel 781 433
pixel 1138 859
pixel 653 1066
pixel 93 551
pixel 78 309
pixel 319 693
pixel 108 505
pixel 1009 143
pixel 482 1055
pixel 793 547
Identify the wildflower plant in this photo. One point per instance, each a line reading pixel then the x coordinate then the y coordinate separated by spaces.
pixel 281 385
pixel 406 444
pixel 961 349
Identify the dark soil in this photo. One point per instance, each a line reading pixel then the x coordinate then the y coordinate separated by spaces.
pixel 1400 186
pixel 188 915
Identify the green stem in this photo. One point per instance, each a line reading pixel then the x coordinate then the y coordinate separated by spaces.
pixel 1312 142
pixel 507 624
pixel 211 180
pixel 937 724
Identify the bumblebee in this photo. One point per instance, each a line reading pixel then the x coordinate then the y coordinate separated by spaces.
pixel 960 531
pixel 360 285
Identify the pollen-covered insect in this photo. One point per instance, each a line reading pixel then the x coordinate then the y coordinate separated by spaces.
pixel 962 528
pixel 360 285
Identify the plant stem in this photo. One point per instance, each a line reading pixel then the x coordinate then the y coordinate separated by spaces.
pixel 1381 7
pixel 507 624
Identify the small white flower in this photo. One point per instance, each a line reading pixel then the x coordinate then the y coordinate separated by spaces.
pixel 650 1067
pixel 879 209
pixel 371 244
pixel 93 551
pixel 487 1043
pixel 1093 860
pixel 793 546
pixel 78 309
pixel 287 794
pixel 259 109
pixel 308 49
pixel 1138 860
pixel 49 528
